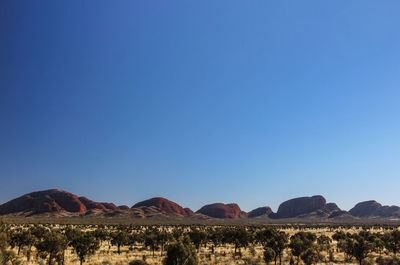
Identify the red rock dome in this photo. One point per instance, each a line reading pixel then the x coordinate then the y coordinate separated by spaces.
pixel 167 206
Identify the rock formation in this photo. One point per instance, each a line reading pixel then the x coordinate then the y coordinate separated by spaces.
pixel 369 209
pixel 53 200
pixel 165 205
pixel 220 210
pixel 261 211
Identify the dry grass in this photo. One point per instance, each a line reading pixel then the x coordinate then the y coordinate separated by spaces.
pixel 107 255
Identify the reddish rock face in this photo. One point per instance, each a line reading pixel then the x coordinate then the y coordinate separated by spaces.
pixel 44 201
pixel 332 207
pixel 165 205
pixel 390 211
pixel 123 207
pixel 188 211
pixel 53 200
pixel 259 212
pixel 365 209
pixel 374 209
pixel 340 214
pixel 90 205
pixel 110 206
pixel 220 210
pixel 300 206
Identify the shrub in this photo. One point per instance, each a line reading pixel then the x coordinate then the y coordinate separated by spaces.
pixel 181 252
pixel 269 255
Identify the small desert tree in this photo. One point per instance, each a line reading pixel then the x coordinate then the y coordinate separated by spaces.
pixel 344 244
pixel 52 245
pixel 392 241
pixel 6 255
pixel 85 244
pixel 274 239
pixel 360 247
pixel 102 234
pixel 22 238
pixel 310 256
pixel 120 238
pixel 151 240
pixel 301 242
pixel 198 237
pixel 215 236
pixel 323 244
pixel 4 231
pixel 378 242
pixel 269 255
pixel 181 252
pixel 238 236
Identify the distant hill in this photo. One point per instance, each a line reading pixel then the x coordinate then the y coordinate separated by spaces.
pixel 167 206
pixel 306 207
pixel 370 209
pixel 59 203
pixel 220 210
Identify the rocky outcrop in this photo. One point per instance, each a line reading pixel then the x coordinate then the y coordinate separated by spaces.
pixel 104 206
pixel 340 215
pixel 261 211
pixel 220 210
pixel 300 206
pixel 90 205
pixel 53 200
pixel 332 207
pixel 365 209
pixel 369 209
pixel 164 205
pixel 390 211
pixel 188 211
pixel 110 206
pixel 59 203
pixel 148 212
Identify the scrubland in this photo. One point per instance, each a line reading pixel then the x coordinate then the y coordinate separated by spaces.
pixel 98 244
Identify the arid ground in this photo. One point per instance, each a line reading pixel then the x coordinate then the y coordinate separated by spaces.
pixel 211 244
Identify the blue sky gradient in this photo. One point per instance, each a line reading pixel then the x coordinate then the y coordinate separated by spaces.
pixel 252 102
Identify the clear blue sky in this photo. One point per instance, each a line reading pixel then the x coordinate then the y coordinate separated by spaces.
pixel 252 102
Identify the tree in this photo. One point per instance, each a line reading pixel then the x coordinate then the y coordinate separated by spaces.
pixel 120 238
pixel 52 244
pixel 344 244
pixel 197 237
pixel 269 255
pixel 239 237
pixel 392 241
pixel 134 238
pixel 102 235
pixel 301 242
pixel 151 240
pixel 310 256
pixel 323 244
pixel 274 239
pixel 162 238
pixel 379 243
pixel 360 247
pixel 22 238
pixel 6 255
pixel 4 235
pixel 181 252
pixel 216 237
pixel 85 244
